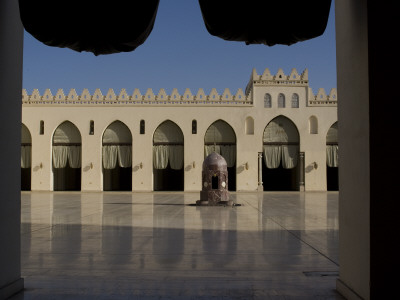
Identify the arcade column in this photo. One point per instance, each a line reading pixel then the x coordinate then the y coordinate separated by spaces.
pixel 11 50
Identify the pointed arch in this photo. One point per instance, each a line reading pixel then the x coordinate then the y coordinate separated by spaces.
pixel 332 158
pixel 67 157
pixel 281 142
pixel 249 126
pixel 168 157
pixel 117 157
pixel 281 101
pixel 26 158
pixel 221 138
pixel 313 125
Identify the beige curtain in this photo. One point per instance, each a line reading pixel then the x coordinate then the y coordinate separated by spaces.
pixel 208 149
pixel 332 156
pixel 60 156
pixel 26 156
pixel 74 156
pixel 176 157
pixel 289 156
pixel 229 153
pixel 110 154
pixel 272 156
pixel 160 157
pixel 124 156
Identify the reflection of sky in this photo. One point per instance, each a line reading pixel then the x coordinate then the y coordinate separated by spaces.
pixel 164 237
pixel 179 53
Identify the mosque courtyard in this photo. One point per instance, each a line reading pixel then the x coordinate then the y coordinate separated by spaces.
pixel 159 245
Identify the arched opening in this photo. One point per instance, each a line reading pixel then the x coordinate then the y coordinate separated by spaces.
pixel 117 158
pixel 313 125
pixel 332 158
pixel 26 158
pixel 295 100
pixel 249 126
pixel 67 158
pixel 168 156
pixel 281 101
pixel 221 138
pixel 267 101
pixel 280 169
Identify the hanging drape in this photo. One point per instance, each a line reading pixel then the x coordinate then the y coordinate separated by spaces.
pixel 176 157
pixel 289 156
pixel 160 156
pixel 332 156
pixel 208 149
pixel 26 156
pixel 274 154
pixel 114 153
pixel 74 156
pixel 164 154
pixel 62 154
pixel 110 154
pixel 125 156
pixel 229 153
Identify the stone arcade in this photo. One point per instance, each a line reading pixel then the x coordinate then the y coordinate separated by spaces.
pixel 271 136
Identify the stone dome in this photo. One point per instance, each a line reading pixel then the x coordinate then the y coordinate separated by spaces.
pixel 214 161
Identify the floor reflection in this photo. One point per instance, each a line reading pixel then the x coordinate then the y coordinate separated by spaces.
pixel 160 246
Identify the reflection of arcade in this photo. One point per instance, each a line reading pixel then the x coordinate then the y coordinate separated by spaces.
pixel 280 170
pixel 116 237
pixel 332 158
pixel 168 230
pixel 117 158
pixel 66 228
pixel 26 158
pixel 221 138
pixel 67 158
pixel 219 235
pixel 168 157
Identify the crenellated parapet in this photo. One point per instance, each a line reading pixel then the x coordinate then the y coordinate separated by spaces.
pixel 294 79
pixel 321 98
pixel 136 98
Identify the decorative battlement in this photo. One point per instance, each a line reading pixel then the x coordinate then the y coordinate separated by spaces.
pixel 293 79
pixel 149 98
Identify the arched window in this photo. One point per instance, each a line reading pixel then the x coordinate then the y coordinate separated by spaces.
pixel 91 128
pixel 313 125
pixel 281 100
pixel 194 127
pixel 267 101
pixel 249 125
pixel 142 127
pixel 41 129
pixel 295 101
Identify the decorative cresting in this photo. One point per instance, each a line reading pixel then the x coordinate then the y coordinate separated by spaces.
pixel 93 26
pixel 137 98
pixel 266 22
pixel 266 79
pixel 332 147
pixel 281 144
pixel 214 182
pixel 67 146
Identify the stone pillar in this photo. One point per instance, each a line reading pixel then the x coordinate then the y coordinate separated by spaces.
pixel 260 186
pixel 301 170
pixel 11 50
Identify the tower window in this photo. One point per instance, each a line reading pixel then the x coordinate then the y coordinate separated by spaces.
pixel 194 127
pixel 142 127
pixel 91 128
pixel 41 129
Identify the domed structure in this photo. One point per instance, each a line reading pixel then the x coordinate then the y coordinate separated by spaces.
pixel 214 181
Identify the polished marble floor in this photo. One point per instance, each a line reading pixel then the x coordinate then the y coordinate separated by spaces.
pixel 160 246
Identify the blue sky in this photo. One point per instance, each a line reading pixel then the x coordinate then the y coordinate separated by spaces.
pixel 179 53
